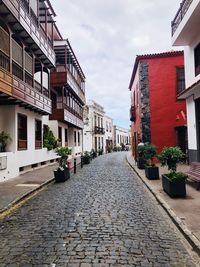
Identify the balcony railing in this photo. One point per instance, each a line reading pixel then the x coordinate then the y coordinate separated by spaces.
pixel 4 61
pixel 184 6
pixel 132 114
pixel 99 130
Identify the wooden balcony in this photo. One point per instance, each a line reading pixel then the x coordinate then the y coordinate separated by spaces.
pixel 64 77
pixel 14 91
pixel 28 26
pixel 184 6
pixel 65 115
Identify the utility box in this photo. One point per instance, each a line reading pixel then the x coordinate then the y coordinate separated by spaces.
pixel 3 163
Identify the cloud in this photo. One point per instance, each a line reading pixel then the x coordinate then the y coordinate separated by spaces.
pixel 106 35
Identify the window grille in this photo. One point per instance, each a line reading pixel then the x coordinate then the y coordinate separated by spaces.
pixel 17 52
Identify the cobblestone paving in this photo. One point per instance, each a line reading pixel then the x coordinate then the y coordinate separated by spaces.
pixel 101 217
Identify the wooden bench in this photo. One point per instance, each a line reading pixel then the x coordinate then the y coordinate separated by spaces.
pixel 194 173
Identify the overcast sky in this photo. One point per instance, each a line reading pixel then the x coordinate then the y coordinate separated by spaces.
pixel 106 35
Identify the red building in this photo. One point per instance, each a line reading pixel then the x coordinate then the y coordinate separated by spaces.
pixel 157 115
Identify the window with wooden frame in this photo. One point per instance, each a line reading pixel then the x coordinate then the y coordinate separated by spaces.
pixel 22 131
pixel 66 137
pixel 38 134
pixel 197 59
pixel 180 80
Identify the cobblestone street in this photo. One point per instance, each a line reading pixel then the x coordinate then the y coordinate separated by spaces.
pixel 103 216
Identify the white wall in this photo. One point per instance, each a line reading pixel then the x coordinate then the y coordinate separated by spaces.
pixel 190 77
pixel 191 123
pixel 17 159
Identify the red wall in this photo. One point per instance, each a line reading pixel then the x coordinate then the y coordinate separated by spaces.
pixel 165 110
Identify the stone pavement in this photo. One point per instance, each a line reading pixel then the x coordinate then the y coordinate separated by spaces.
pixel 184 211
pixel 16 189
pixel 103 216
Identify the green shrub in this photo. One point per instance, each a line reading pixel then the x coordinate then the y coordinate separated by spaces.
pixel 171 156
pixel 63 152
pixel 49 140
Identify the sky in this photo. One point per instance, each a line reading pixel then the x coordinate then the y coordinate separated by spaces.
pixel 106 36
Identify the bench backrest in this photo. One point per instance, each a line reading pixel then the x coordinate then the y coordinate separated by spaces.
pixel 195 167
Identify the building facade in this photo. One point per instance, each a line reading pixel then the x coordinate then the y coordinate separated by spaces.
pixel 68 97
pixel 121 136
pixel 94 131
pixel 41 84
pixel 26 57
pixel 156 114
pixel 185 32
pixel 108 140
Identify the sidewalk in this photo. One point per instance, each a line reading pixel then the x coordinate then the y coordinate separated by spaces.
pixel 14 190
pixel 185 212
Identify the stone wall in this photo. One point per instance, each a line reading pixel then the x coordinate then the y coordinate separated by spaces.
pixel 144 98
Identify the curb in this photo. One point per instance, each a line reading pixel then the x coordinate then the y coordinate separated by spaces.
pixel 191 238
pixel 24 197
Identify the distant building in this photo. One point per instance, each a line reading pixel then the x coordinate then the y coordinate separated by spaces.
pixel 186 32
pixel 156 113
pixel 121 136
pixel 108 140
pixel 94 131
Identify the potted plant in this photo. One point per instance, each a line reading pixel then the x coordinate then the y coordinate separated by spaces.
pixel 62 173
pixel 151 170
pixel 100 152
pixel 86 157
pixel 93 153
pixel 174 183
pixel 5 140
pixel 141 161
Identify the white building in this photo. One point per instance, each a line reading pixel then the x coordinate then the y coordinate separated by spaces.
pixel 108 140
pixel 121 136
pixel 186 32
pixel 93 132
pixel 26 57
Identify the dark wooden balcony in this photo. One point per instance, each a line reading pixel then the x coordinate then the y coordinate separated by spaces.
pixel 132 114
pixel 14 91
pixel 66 114
pixel 27 25
pixel 62 77
pixel 184 6
pixel 99 130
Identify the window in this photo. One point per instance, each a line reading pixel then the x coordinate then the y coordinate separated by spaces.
pixel 99 145
pixel 197 59
pixel 38 134
pixel 75 138
pixel 95 120
pixel 180 79
pixel 78 138
pixel 22 132
pixel 60 135
pixel 102 141
pixel 106 126
pixel 66 137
